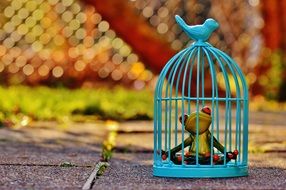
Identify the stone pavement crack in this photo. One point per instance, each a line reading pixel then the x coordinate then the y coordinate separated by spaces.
pixel 98 170
pixel 107 149
pixel 128 150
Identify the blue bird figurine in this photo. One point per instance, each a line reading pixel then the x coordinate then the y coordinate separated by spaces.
pixel 198 32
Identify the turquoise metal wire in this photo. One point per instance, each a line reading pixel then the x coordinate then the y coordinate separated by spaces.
pixel 174 94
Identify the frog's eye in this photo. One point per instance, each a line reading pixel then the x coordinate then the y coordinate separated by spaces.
pixel 206 110
pixel 185 118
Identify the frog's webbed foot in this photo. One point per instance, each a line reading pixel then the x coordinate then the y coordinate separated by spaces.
pixel 229 156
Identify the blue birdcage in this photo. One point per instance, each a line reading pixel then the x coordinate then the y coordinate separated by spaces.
pixel 201 112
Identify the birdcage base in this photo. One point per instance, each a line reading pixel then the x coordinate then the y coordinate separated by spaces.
pixel 200 172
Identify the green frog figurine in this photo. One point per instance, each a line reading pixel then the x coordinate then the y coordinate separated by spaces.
pixel 204 142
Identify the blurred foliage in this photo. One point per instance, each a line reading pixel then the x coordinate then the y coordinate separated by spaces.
pixel 271 80
pixel 20 104
pixel 110 142
pixel 260 103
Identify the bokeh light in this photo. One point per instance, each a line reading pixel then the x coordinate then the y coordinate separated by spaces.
pixel 43 70
pixel 64 38
pixel 79 65
pixel 28 69
pixel 58 71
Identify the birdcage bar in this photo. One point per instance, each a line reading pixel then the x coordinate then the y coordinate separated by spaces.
pixel 183 104
pixel 158 106
pixel 245 109
pixel 183 131
pixel 237 127
pixel 203 82
pixel 200 98
pixel 190 84
pixel 178 79
pixel 239 133
pixel 214 87
pixel 228 91
pixel 188 57
pixel 230 127
pixel 168 108
pixel 237 108
pixel 186 65
pixel 215 98
pixel 227 100
pixel 197 104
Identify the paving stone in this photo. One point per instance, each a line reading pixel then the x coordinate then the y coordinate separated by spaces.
pixel 30 157
pixel 39 177
pixel 31 154
pixel 134 142
pixel 134 171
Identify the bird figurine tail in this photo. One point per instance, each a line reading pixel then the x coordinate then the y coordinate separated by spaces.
pixel 181 23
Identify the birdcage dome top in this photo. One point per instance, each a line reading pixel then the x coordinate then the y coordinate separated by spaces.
pixel 217 70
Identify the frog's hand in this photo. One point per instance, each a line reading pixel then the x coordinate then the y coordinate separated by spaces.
pixel 232 155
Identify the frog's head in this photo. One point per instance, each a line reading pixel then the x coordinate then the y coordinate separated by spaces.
pixel 205 120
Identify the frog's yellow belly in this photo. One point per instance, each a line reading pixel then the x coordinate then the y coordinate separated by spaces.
pixel 203 145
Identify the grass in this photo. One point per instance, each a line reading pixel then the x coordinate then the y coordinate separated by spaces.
pixel 22 104
pixel 43 103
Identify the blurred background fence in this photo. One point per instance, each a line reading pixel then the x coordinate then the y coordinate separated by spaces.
pixel 88 43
